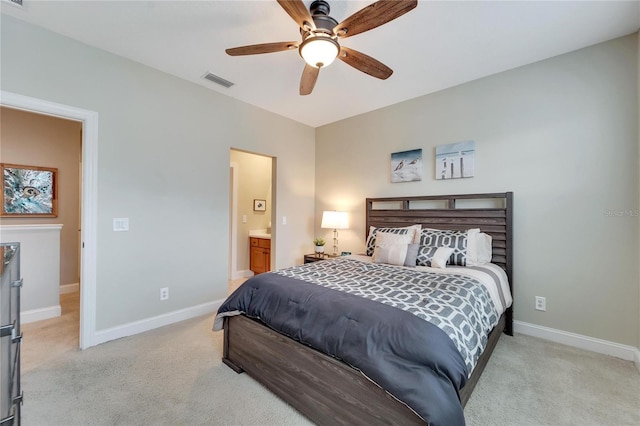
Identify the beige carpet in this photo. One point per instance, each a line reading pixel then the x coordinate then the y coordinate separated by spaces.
pixel 48 339
pixel 174 376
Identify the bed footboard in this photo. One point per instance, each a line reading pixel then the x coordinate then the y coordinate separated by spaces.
pixel 322 388
pixel 492 341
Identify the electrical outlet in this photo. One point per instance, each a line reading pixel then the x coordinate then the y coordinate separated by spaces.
pixel 164 293
pixel 541 303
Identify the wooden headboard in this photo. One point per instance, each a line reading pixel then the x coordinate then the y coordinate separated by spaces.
pixel 492 213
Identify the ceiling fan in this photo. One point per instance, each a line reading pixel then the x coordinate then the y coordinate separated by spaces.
pixel 320 34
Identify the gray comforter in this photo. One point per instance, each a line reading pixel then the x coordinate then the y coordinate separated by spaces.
pixel 351 311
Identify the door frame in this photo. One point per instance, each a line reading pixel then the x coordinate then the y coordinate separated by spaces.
pixel 233 223
pixel 234 167
pixel 89 203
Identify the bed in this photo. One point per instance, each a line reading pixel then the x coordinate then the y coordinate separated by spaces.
pixel 351 385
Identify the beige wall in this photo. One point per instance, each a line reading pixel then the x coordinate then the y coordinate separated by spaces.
pixel 163 162
pixel 254 182
pixel 562 134
pixel 41 140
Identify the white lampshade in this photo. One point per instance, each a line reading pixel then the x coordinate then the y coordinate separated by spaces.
pixel 335 220
pixel 319 51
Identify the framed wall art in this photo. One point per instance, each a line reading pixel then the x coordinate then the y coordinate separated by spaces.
pixel 406 166
pixel 29 191
pixel 259 205
pixel 456 160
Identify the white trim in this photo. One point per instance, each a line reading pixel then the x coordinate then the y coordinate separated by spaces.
pixel 147 324
pixel 89 217
pixel 40 314
pixel 577 340
pixel 233 237
pixel 22 228
pixel 245 273
pixel 69 288
pixel 637 359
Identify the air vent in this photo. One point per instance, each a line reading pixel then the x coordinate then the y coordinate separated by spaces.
pixel 17 3
pixel 218 80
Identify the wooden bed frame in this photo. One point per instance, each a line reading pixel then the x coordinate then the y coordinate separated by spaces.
pixel 328 391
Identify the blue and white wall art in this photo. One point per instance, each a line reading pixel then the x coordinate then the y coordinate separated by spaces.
pixel 29 191
pixel 456 160
pixel 406 166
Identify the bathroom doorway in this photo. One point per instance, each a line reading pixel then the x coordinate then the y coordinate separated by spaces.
pixel 251 208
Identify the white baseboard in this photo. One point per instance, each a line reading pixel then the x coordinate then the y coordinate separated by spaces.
pixel 141 326
pixel 592 344
pixel 69 288
pixel 637 359
pixel 246 273
pixel 40 314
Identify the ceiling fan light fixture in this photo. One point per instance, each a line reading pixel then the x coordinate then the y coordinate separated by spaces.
pixel 319 51
pixel 320 34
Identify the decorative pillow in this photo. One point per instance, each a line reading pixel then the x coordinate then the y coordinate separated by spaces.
pixel 396 254
pixel 413 230
pixel 412 255
pixel 393 254
pixel 436 257
pixel 457 240
pixel 384 238
pixel 441 257
pixel 479 249
pixel 484 247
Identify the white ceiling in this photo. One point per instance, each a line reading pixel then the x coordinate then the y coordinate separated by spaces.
pixel 437 45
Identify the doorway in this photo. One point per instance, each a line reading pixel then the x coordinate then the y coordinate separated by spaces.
pixel 252 204
pixel 88 200
pixel 50 301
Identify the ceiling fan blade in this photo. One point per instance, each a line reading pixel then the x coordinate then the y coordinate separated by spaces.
pixel 364 63
pixel 255 49
pixel 373 16
pixel 308 80
pixel 298 11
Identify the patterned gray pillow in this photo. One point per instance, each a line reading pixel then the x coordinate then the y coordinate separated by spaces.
pixel 431 239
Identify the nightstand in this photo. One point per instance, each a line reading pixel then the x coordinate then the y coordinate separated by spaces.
pixel 314 257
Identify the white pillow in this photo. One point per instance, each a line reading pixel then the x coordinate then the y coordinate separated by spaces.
pixel 441 257
pixel 472 247
pixel 393 254
pixel 389 238
pixel 479 249
pixel 483 243
pixel 371 242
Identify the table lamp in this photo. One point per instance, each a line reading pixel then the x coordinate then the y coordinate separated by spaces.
pixel 335 220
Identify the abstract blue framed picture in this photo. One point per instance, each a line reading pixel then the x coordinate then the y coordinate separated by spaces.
pixel 29 191
pixel 406 166
pixel 456 160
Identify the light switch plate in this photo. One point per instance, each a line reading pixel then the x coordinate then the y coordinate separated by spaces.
pixel 120 224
